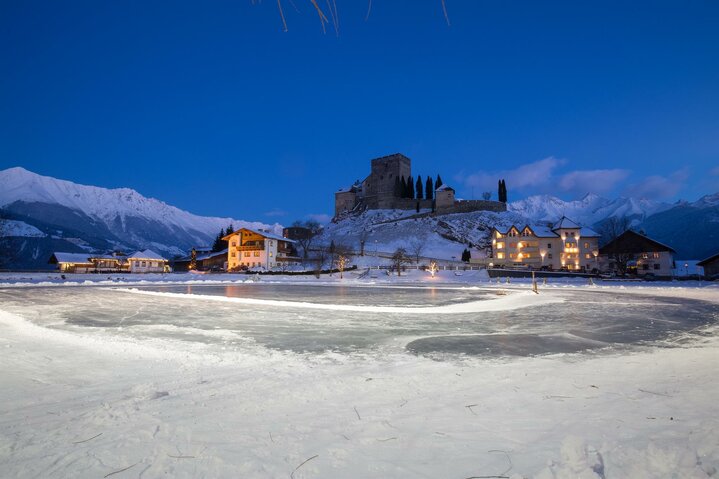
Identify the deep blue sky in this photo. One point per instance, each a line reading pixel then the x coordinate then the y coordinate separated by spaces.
pixel 209 106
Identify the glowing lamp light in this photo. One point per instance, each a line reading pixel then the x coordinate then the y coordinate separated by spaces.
pixel 433 268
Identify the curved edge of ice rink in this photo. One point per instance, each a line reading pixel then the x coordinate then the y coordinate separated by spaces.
pixel 509 301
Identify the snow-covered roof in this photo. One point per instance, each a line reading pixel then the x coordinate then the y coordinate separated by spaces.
pixel 588 233
pixel 565 222
pixel 445 188
pixel 266 234
pixel 147 254
pixel 70 257
pixel 543 231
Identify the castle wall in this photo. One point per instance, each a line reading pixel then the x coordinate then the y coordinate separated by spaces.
pixel 467 206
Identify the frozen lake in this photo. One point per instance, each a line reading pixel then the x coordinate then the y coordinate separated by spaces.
pixel 310 319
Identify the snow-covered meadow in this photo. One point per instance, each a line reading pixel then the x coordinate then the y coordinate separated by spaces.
pixel 453 377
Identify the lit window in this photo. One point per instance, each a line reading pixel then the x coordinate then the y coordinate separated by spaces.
pixel 586 245
pixel 257 253
pixel 588 256
pixel 232 254
pixel 655 255
pixel 500 255
pixel 234 243
pixel 500 245
pixel 645 255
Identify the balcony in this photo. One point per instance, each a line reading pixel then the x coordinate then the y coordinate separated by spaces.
pixel 251 247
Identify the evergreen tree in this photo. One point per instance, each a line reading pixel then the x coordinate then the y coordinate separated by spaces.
pixel 418 207
pixel 420 194
pixel 410 187
pixel 397 187
pixel 429 189
pixel 504 190
pixel 499 190
pixel 403 184
pixel 218 244
pixel 438 183
pixel 230 230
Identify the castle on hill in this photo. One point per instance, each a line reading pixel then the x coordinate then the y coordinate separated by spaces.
pixel 386 188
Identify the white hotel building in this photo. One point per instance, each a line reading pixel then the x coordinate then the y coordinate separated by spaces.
pixel 564 245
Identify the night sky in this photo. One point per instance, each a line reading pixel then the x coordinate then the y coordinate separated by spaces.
pixel 211 107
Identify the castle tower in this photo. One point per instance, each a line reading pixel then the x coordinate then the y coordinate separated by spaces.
pixel 378 187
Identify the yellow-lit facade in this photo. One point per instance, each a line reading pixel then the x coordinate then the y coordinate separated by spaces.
pixel 250 249
pixel 565 246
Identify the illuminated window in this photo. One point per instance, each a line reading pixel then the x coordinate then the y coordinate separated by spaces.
pixel 586 245
pixel 232 254
pixel 247 254
pixel 500 255
pixel 645 255
pixel 588 256
pixel 655 255
pixel 257 253
pixel 500 245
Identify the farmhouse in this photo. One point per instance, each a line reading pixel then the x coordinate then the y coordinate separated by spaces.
pixel 563 245
pixel 711 266
pixel 635 253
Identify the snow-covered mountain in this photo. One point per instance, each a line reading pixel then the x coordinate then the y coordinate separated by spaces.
pixel 74 217
pixel 591 210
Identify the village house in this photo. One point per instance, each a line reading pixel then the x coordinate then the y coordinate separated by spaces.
pixel 711 266
pixel 72 262
pixel 563 245
pixel 141 262
pixel 205 260
pixel 147 262
pixel 248 249
pixel 636 254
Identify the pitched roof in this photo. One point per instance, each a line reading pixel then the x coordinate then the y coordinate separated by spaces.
pixel 59 257
pixel 633 242
pixel 708 260
pixel 565 222
pixel 147 254
pixel 543 231
pixel 266 234
pixel 588 233
pixel 444 188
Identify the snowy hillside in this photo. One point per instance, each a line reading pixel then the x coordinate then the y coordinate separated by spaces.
pixel 443 237
pixel 99 218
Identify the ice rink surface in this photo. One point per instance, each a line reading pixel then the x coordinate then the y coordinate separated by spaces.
pixel 450 379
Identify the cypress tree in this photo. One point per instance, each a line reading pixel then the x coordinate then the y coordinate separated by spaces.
pixel 438 183
pixel 420 194
pixel 397 187
pixel 404 188
pixel 410 187
pixel 499 190
pixel 429 189
pixel 504 190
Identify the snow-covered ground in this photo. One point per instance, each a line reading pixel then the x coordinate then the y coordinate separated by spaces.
pixel 457 376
